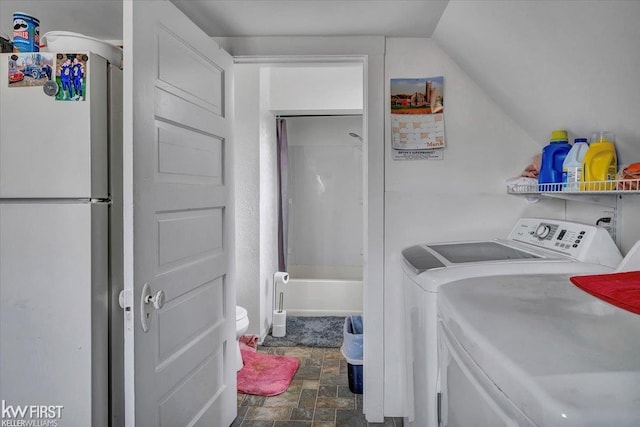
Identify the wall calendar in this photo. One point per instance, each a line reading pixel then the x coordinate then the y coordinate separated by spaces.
pixel 417 118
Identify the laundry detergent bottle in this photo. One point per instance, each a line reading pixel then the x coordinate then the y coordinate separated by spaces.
pixel 553 155
pixel 572 166
pixel 600 164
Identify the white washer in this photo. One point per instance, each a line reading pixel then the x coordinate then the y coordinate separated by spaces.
pixel 534 246
pixel 535 350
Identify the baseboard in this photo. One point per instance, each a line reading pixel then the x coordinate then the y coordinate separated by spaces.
pixel 320 313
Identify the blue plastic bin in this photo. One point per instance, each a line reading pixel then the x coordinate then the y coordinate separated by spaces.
pixel 352 350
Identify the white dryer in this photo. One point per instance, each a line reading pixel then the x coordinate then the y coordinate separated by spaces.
pixel 535 350
pixel 534 246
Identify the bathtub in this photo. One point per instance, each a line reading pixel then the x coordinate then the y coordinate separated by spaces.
pixel 322 291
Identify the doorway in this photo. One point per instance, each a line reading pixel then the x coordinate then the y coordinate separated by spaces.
pixel 265 90
pixel 252 74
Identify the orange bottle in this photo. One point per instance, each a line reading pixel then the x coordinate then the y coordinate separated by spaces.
pixel 600 164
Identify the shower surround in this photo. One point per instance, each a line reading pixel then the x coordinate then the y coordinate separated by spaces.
pixel 325 216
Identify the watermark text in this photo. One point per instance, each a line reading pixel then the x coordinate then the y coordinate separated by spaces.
pixel 29 415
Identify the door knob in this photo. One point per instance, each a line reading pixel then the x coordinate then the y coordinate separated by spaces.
pixel 157 299
pixel 148 298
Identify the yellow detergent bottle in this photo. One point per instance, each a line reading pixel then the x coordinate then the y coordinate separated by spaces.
pixel 600 164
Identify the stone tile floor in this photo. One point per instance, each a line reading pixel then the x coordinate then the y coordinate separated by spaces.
pixel 318 396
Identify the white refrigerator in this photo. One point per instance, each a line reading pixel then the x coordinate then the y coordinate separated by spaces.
pixel 58 234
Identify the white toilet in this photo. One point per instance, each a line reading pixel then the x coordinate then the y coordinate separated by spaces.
pixel 242 323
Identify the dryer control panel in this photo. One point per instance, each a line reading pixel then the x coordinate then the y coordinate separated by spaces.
pixel 583 242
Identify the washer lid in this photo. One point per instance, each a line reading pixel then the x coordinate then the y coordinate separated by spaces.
pixel 460 252
pixel 419 259
pixel 561 355
pixel 430 256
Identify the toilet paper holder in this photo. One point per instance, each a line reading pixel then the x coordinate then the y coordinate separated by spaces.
pixel 279 278
pixel 279 328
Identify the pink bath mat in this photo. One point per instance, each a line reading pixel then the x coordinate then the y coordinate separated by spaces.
pixel 266 374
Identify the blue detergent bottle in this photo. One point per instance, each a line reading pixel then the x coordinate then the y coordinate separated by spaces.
pixel 553 155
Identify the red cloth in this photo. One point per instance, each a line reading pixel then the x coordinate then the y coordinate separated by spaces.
pixel 619 289
pixel 248 342
pixel 533 170
pixel 266 374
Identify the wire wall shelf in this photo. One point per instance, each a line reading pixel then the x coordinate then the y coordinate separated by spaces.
pixel 630 186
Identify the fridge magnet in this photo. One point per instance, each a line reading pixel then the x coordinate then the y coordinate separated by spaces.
pixel 50 88
pixel 30 69
pixel 71 72
pixel 417 118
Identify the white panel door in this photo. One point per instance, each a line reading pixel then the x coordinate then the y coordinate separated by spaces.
pixel 177 99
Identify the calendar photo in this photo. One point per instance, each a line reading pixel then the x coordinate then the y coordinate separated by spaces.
pixel 417 113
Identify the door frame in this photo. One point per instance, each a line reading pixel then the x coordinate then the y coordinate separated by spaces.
pixel 373 211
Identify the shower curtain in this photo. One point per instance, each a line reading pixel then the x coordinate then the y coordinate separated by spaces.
pixel 283 192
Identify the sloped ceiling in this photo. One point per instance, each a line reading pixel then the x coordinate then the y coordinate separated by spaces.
pixel 553 64
pixel 395 18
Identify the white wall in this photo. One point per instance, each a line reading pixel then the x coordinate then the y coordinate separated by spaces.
pixel 549 64
pixel 317 89
pixel 256 195
pixel 462 196
pixel 268 203
pixel 561 64
pixel 247 190
pixel 628 224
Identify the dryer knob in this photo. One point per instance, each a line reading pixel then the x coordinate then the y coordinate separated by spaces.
pixel 542 231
